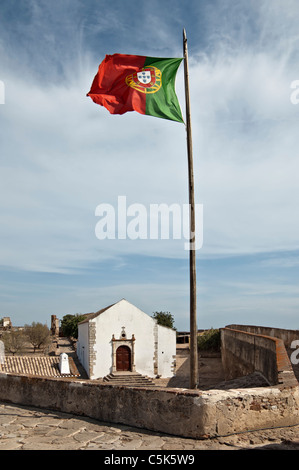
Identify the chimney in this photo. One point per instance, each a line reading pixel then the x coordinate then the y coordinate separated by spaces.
pixel 64 364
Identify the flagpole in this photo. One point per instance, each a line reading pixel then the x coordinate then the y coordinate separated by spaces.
pixel 192 257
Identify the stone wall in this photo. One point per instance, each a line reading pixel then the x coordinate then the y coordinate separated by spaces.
pixel 91 347
pixel 287 336
pixel 181 412
pixel 244 352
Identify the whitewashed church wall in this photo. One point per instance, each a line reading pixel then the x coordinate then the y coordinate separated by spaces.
pixel 102 346
pixel 166 351
pixel 82 346
pixel 135 322
pixel 124 317
pixel 145 347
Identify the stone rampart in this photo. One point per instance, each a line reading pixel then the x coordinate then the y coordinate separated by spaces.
pixel 188 413
pixel 182 412
pixel 287 336
pixel 246 349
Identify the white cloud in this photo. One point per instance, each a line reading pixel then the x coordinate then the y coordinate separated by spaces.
pixel 247 154
pixel 61 156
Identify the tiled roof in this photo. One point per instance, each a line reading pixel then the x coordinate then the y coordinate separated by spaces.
pixel 90 316
pixel 42 366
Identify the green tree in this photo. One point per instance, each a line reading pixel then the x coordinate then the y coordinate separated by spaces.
pixel 69 325
pixel 164 319
pixel 38 335
pixel 14 341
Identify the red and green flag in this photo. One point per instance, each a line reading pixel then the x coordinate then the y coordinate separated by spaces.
pixel 137 83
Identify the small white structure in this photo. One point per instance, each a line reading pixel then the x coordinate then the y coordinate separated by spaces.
pixel 64 366
pixel 122 338
pixel 2 353
pixel 6 322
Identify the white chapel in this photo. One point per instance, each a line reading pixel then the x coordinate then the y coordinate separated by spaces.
pixel 122 338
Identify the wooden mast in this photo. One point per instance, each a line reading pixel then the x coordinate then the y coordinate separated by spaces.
pixel 192 247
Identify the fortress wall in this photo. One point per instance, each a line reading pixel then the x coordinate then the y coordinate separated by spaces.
pixel 287 336
pixel 244 351
pixel 181 412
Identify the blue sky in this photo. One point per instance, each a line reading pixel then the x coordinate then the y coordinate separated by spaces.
pixel 61 156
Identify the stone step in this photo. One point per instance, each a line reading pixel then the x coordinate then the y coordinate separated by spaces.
pixel 128 379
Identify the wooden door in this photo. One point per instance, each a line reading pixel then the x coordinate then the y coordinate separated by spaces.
pixel 123 358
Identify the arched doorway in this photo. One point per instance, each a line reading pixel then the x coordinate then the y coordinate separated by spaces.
pixel 123 358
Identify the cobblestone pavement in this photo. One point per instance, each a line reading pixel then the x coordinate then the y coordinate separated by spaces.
pixel 26 428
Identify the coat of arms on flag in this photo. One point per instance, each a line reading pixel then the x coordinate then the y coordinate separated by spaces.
pixel 145 76
pixel 147 80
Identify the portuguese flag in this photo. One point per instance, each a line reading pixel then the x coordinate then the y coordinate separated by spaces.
pixel 137 83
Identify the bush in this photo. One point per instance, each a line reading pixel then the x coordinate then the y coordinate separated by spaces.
pixel 164 319
pixel 209 340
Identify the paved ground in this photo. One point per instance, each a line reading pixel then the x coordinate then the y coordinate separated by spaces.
pixel 26 428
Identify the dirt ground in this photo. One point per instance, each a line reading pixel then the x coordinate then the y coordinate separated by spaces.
pixel 210 373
